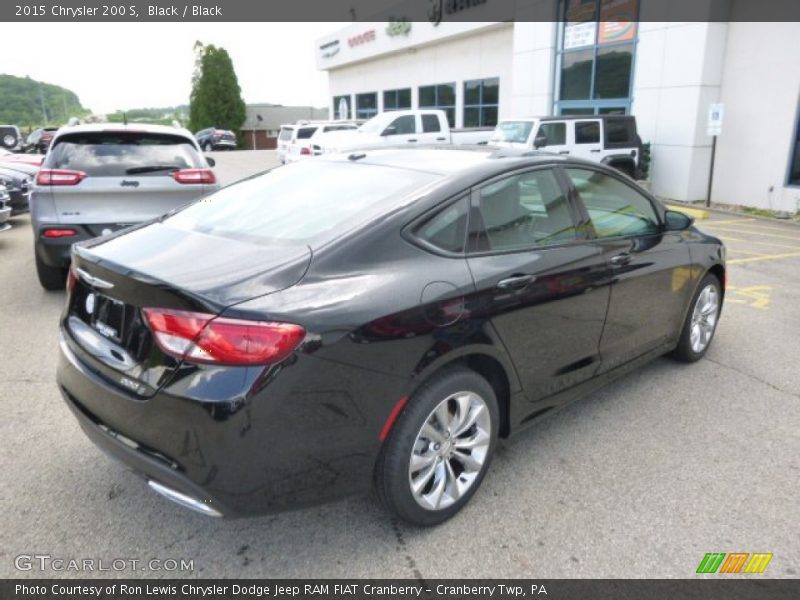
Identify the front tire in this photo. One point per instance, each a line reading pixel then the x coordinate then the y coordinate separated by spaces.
pixel 701 321
pixel 52 279
pixel 207 147
pixel 440 448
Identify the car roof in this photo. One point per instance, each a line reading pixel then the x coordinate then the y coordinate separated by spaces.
pixel 131 127
pixel 447 160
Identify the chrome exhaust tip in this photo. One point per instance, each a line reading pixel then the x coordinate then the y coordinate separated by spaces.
pixel 182 499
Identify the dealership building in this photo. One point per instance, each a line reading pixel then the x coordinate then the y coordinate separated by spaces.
pixel 598 57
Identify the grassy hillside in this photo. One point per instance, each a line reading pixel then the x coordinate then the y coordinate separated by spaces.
pixel 163 116
pixel 29 103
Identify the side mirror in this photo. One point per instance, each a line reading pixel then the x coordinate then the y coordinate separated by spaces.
pixel 540 141
pixel 390 130
pixel 211 162
pixel 677 221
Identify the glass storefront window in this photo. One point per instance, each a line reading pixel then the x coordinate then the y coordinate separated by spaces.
pixel 397 99
pixel 480 102
pixel 794 165
pixel 442 97
pixel 366 105
pixel 613 72
pixel 597 46
pixel 341 107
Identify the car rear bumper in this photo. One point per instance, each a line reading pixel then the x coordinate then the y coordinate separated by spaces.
pixel 223 145
pixel 5 213
pixel 297 440
pixel 55 252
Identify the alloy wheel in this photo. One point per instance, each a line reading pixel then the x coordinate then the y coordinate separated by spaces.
pixel 704 318
pixel 450 450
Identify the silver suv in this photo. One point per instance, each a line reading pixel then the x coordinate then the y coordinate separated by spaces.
pixel 97 179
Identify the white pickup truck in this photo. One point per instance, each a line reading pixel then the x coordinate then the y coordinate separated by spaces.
pixel 401 127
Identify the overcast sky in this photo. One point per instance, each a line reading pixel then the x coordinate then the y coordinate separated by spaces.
pixel 135 65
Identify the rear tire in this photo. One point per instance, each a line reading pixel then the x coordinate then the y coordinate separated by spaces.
pixel 701 321
pixel 439 449
pixel 207 147
pixel 52 279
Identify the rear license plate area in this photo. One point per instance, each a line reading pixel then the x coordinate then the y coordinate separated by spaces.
pixel 107 316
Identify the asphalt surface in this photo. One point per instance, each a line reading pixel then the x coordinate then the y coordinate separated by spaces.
pixel 639 480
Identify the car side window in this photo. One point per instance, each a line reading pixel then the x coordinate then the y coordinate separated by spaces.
pixel 447 229
pixel 523 211
pixel 615 208
pixel 430 124
pixel 556 133
pixel 587 132
pixel 403 125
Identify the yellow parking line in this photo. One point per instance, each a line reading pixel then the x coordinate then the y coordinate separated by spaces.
pixel 757 242
pixel 738 261
pixel 750 223
pixel 727 221
pixel 761 233
pixel 692 212
pixel 729 249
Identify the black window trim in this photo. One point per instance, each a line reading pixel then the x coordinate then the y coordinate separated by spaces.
pixel 586 219
pixel 475 209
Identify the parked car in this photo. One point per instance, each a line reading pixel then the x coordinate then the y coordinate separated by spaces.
pixel 608 139
pixel 289 135
pixel 5 209
pixel 373 319
pixel 303 146
pixel 418 127
pixel 97 179
pixel 10 138
pixel 18 185
pixel 39 140
pixel 27 160
pixel 216 139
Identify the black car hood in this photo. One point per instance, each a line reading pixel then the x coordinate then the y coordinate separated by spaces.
pixel 216 270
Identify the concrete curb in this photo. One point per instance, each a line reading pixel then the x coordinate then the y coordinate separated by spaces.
pixel 692 212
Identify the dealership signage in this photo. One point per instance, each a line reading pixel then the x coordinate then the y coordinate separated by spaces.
pixel 362 38
pixel 329 49
pixel 441 7
pixel 398 27
pixel 579 34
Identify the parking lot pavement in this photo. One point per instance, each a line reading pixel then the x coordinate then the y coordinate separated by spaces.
pixel 639 480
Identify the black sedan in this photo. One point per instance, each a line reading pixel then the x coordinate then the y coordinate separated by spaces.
pixel 373 319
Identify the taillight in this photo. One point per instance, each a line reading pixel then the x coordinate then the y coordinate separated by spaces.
pixel 59 177
pixel 305 150
pixel 203 338
pixel 194 176
pixel 58 233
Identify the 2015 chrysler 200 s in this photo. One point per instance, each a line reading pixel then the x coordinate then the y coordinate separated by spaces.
pixel 378 318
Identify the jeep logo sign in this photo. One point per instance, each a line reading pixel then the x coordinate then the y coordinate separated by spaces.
pixel 362 38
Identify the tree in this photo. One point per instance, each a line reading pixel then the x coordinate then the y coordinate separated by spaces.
pixel 216 99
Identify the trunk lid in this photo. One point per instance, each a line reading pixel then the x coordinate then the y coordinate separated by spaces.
pixel 103 315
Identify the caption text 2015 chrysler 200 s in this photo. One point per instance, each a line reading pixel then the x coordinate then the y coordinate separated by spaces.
pixel 378 318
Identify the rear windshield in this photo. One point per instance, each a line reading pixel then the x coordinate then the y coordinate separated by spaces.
pixel 307 202
pixel 286 134
pixel 512 131
pixel 116 154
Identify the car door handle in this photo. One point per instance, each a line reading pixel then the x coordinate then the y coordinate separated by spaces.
pixel 620 259
pixel 563 151
pixel 515 281
pixel 412 141
pixel 595 150
pixel 441 139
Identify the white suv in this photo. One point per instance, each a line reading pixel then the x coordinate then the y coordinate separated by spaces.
pixel 295 141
